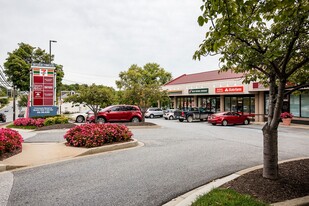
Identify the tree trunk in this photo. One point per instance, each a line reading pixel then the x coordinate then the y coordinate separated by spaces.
pixel 270 129
pixel 143 116
pixel 270 152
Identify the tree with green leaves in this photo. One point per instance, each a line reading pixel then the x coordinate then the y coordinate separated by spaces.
pixel 3 91
pixel 142 86
pixel 94 96
pixel 71 87
pixel 22 100
pixel 18 64
pixel 268 42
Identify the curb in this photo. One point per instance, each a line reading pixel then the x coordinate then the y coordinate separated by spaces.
pixel 107 148
pixel 4 167
pixel 293 125
pixel 189 197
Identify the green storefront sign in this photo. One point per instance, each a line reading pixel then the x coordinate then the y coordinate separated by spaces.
pixel 198 91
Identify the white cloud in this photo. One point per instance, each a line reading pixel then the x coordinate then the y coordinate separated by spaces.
pixel 98 39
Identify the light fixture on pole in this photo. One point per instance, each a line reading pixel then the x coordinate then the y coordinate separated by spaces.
pixel 50 41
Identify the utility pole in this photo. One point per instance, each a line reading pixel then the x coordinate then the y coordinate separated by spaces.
pixel 14 102
pixel 50 55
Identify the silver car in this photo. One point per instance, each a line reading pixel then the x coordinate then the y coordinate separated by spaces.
pixel 80 117
pixel 154 112
pixel 170 114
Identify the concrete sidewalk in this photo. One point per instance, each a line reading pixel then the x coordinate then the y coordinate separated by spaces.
pixel 34 154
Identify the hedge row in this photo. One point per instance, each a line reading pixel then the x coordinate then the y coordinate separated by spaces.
pixel 39 122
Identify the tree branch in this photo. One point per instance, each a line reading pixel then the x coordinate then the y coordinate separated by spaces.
pixel 297 66
pixel 295 88
pixel 259 69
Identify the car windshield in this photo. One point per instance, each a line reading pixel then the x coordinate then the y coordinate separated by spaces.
pixel 106 108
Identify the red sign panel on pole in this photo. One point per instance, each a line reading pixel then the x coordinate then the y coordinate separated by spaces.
pixel 236 89
pixel 43 86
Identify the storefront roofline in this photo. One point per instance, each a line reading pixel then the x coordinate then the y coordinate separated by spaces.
pixel 204 77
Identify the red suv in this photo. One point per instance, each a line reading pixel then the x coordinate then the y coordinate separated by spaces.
pixel 118 113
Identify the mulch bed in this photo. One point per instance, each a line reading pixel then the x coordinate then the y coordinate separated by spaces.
pixel 57 126
pixel 71 125
pixel 293 183
pixel 7 155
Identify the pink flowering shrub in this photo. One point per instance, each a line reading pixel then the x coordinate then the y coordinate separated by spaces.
pixel 286 115
pixel 95 135
pixel 10 141
pixel 29 122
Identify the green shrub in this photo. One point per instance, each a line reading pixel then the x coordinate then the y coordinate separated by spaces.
pixel 61 120
pixel 56 120
pixel 4 101
pixel 49 121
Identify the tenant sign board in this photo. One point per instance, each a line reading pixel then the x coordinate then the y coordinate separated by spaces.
pixel 42 90
pixel 198 91
pixel 236 89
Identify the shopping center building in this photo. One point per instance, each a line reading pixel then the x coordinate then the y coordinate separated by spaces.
pixel 225 91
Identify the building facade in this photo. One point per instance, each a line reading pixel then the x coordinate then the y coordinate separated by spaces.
pixel 224 91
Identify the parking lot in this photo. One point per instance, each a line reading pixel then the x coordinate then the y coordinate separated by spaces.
pixel 176 157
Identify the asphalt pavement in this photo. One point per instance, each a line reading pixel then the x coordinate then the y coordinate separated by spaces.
pixel 176 158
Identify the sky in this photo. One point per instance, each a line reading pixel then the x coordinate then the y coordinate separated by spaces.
pixel 96 40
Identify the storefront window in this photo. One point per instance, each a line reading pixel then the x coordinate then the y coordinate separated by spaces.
pixel 234 104
pixel 304 109
pixel 184 102
pixel 209 103
pixel 227 103
pixel 252 105
pixel 239 104
pixel 246 103
pixel 213 105
pixel 217 104
pixel 294 105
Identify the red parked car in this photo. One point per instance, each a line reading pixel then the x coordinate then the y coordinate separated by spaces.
pixel 228 118
pixel 118 113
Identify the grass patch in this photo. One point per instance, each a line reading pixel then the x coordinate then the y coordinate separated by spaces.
pixel 20 127
pixel 226 197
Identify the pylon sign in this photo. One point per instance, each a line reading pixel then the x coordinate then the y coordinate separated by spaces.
pixel 42 90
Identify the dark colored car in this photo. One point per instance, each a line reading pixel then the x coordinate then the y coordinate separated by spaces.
pixel 194 113
pixel 228 118
pixel 118 113
pixel 2 117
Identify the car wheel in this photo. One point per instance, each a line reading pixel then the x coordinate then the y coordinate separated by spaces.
pixel 180 120
pixel 135 119
pixel 101 120
pixel 80 119
pixel 151 116
pixel 190 119
pixel 213 124
pixel 246 122
pixel 224 123
pixel 171 117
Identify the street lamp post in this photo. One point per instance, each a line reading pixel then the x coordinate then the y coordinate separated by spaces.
pixel 50 41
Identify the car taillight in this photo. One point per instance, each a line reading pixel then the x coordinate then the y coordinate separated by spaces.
pixel 182 114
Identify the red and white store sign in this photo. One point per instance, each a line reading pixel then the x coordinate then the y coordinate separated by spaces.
pixel 236 89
